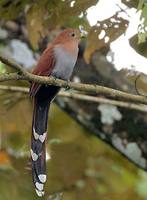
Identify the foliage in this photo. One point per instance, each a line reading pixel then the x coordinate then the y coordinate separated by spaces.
pixel 43 15
pixel 81 165
pixel 143 24
pixel 105 32
pixel 11 9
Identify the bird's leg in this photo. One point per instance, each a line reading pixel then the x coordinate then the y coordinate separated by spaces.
pixel 67 87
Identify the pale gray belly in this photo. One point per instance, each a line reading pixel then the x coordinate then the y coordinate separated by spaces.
pixel 65 63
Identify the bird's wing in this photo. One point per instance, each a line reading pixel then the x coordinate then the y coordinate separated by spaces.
pixel 44 67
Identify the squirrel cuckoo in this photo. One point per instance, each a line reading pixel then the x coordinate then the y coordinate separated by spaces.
pixel 57 60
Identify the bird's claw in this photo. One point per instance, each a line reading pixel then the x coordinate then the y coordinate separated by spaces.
pixel 67 87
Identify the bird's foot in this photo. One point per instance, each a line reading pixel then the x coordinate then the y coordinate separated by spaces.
pixel 67 87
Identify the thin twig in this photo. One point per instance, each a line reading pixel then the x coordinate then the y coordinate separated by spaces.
pixel 14 88
pixel 128 105
pixel 82 97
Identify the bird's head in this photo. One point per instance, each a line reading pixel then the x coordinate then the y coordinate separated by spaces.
pixel 68 35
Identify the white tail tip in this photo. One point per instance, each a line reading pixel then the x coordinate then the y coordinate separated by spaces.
pixel 42 178
pixel 39 186
pixel 40 193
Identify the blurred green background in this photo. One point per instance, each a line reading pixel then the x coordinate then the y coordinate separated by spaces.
pixel 79 165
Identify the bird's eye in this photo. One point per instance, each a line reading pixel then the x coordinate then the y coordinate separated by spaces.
pixel 73 34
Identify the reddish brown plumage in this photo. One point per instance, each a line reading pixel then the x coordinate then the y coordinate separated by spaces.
pixel 64 46
pixel 47 60
pixel 43 68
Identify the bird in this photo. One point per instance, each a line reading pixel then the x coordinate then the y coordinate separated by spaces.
pixel 57 60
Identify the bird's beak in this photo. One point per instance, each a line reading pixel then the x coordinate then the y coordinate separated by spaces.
pixel 83 35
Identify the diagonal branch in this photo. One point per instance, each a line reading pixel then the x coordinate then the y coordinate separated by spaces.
pixel 13 64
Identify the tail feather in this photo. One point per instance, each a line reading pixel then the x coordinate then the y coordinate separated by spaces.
pixel 39 132
pixel 42 102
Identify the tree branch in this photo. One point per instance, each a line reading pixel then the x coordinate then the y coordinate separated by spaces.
pixel 82 97
pixel 128 105
pixel 13 64
pixel 14 88
pixel 11 76
pixel 87 88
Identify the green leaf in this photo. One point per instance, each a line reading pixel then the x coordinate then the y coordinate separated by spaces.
pixel 110 28
pixel 142 28
pixel 35 18
pixel 140 5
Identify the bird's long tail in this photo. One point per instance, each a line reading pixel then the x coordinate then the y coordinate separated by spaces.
pixel 42 102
